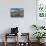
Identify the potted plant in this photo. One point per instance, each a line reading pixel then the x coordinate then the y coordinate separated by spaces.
pixel 39 35
pixel 38 27
pixel 35 26
pixel 42 27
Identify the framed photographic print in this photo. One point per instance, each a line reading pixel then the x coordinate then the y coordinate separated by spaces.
pixel 17 12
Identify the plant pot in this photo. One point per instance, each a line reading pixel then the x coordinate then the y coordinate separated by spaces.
pixel 40 41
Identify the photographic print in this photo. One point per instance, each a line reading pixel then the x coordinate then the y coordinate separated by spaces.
pixel 17 12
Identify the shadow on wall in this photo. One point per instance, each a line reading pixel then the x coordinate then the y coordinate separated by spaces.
pixel 7 30
pixel 3 33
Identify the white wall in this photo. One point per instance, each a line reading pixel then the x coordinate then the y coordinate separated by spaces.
pixel 24 24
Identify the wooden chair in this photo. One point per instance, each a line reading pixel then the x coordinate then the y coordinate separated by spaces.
pixel 27 37
pixel 8 34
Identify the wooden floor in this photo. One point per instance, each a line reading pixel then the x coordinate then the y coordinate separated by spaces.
pixel 13 44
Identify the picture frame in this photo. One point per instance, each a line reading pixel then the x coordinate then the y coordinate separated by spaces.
pixel 17 12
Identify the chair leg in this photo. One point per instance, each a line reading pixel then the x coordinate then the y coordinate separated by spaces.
pixel 17 39
pixel 5 43
pixel 5 40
